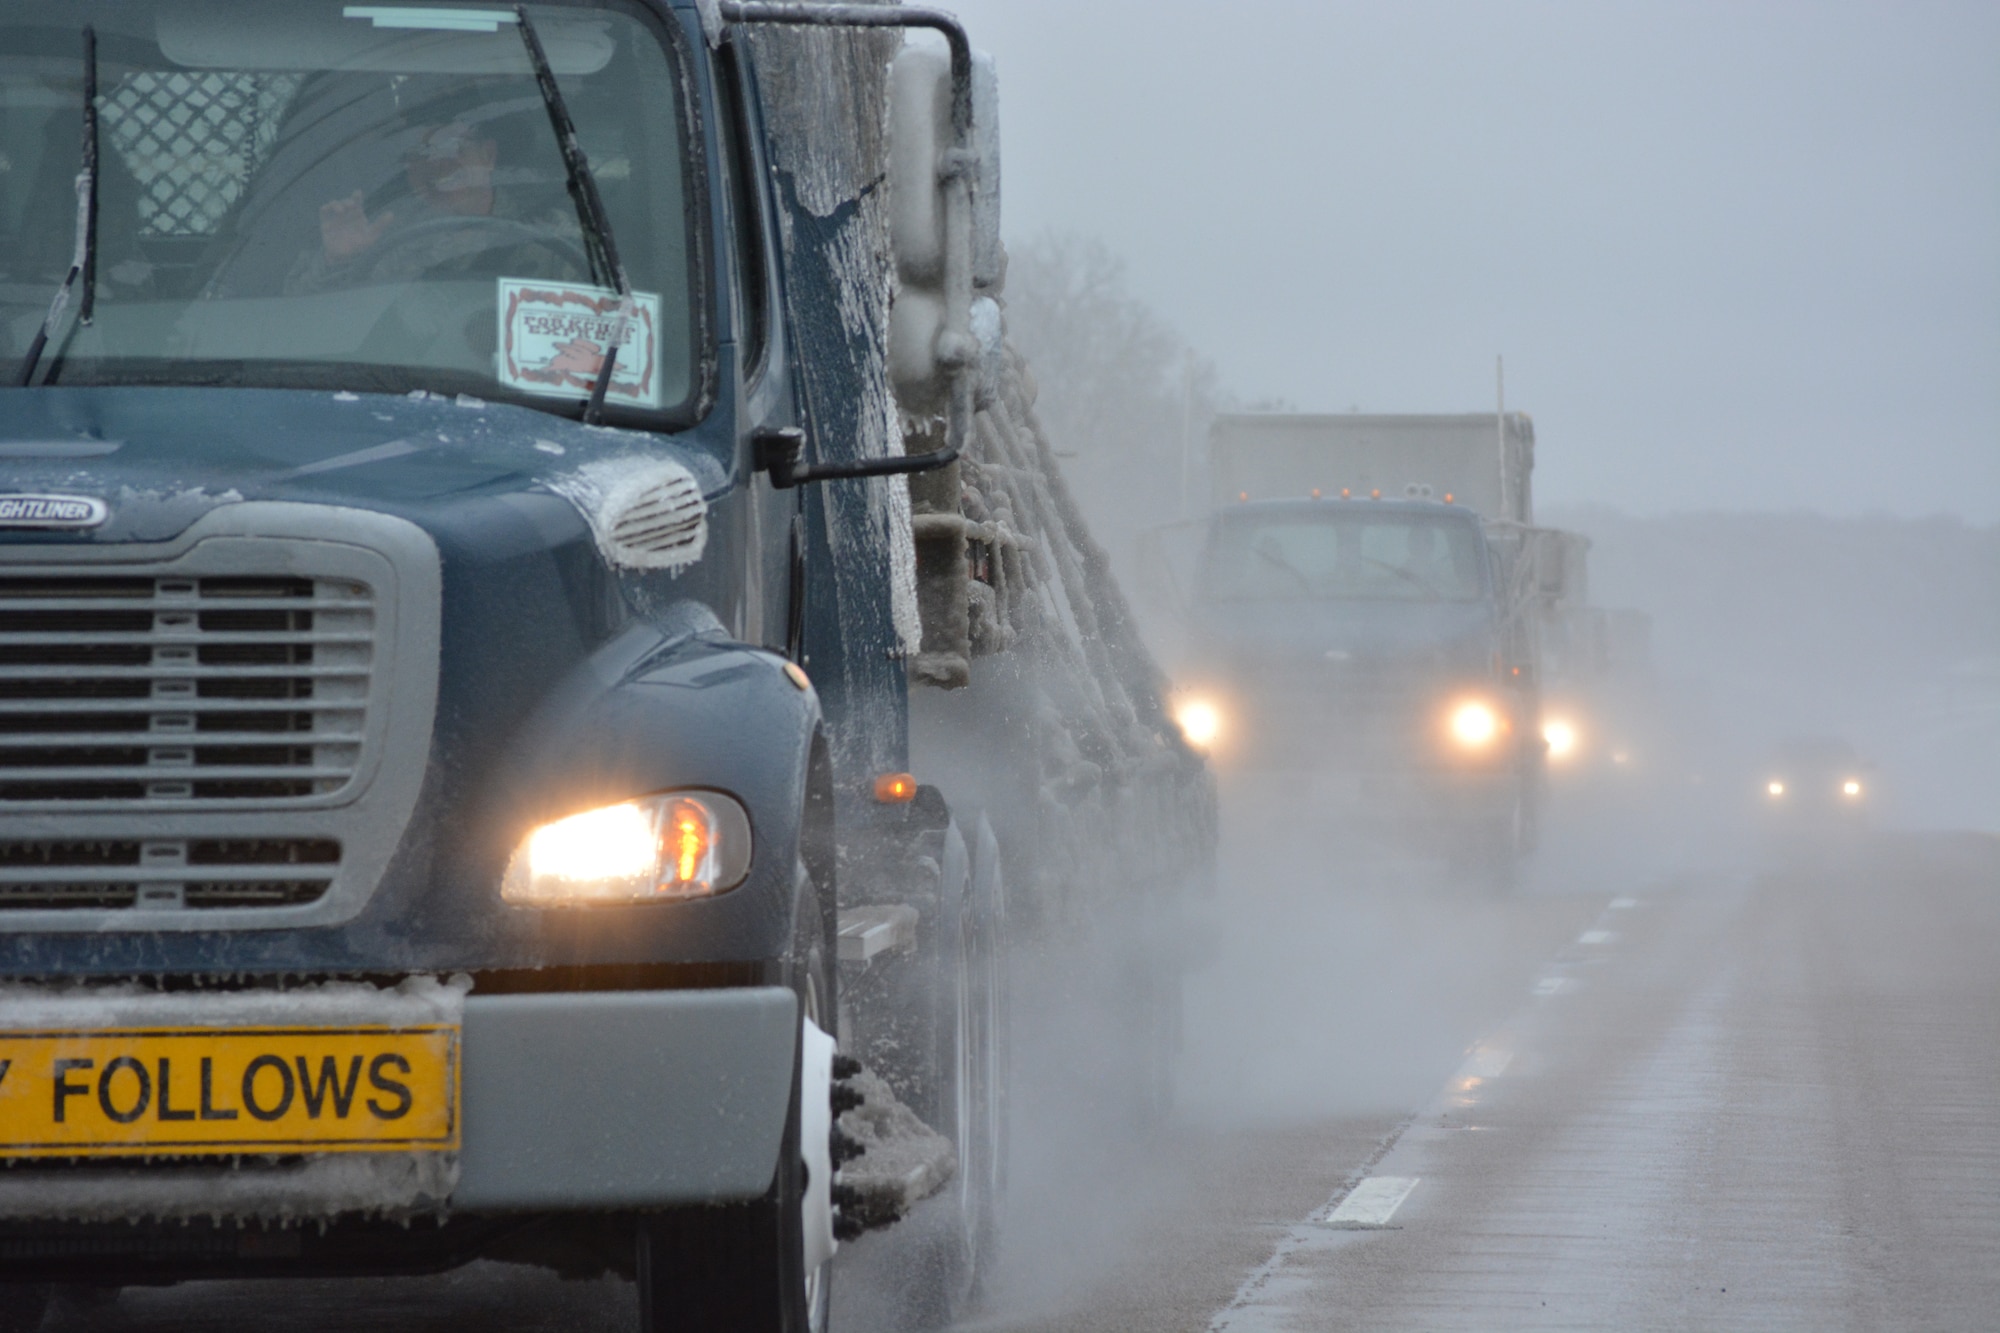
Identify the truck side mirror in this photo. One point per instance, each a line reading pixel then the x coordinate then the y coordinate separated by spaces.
pixel 944 221
pixel 1548 566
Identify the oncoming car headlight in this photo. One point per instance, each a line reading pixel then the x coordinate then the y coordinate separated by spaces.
pixel 1561 737
pixel 655 848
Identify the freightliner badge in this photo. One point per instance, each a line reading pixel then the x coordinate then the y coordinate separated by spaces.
pixel 51 511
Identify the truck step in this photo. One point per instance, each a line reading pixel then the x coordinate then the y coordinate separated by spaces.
pixel 874 929
pixel 888 1160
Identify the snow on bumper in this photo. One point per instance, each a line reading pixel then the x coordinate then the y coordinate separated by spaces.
pixel 594 1100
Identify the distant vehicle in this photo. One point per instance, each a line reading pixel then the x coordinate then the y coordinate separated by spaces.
pixel 1818 779
pixel 1371 601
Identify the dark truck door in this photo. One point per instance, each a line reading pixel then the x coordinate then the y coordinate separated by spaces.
pixel 775 601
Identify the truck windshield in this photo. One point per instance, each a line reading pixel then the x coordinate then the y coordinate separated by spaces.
pixel 312 194
pixel 1328 556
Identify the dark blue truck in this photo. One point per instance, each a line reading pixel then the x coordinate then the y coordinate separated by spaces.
pixel 455 636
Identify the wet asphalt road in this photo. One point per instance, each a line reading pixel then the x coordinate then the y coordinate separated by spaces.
pixel 1764 1096
pixel 1767 1099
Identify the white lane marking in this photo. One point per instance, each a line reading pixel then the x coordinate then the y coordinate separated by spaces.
pixel 1259 1295
pixel 1620 904
pixel 1597 937
pixel 1552 986
pixel 1372 1203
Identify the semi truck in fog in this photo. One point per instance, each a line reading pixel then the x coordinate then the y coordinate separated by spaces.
pixel 460 599
pixel 1371 601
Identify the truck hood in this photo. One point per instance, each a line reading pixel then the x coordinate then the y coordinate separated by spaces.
pixel 160 458
pixel 1346 635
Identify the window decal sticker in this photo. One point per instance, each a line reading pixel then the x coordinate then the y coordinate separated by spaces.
pixel 554 335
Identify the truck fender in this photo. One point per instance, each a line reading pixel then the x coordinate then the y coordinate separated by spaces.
pixel 649 712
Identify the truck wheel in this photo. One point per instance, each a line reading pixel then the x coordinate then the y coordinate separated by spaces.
pixel 983 1054
pixel 741 1268
pixel 22 1307
pixel 969 988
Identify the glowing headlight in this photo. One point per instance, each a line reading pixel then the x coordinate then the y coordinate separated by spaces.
pixel 1474 724
pixel 1850 788
pixel 680 845
pixel 1200 721
pixel 1561 737
pixel 1775 787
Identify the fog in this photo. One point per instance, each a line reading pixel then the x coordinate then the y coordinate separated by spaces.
pixel 1736 257
pixel 1743 268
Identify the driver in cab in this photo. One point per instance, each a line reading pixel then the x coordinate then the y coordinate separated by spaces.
pixel 458 220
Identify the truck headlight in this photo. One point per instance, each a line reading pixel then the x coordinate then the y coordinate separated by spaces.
pixel 655 848
pixel 1561 736
pixel 1200 721
pixel 1475 724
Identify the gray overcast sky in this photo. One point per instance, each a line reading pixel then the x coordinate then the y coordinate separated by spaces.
pixel 1736 255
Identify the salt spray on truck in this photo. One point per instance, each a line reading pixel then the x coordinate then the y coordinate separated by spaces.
pixel 1371 602
pixel 457 617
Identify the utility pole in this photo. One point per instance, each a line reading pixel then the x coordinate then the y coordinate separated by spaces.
pixel 1500 429
pixel 1187 425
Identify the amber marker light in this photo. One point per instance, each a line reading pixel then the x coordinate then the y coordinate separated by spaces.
pixel 895 788
pixel 678 845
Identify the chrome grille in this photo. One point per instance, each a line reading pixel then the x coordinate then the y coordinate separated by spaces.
pixel 50 875
pixel 200 692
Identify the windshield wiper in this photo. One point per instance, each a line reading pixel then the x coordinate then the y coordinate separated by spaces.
pixel 602 250
pixel 83 263
pixel 1431 594
pixel 1278 560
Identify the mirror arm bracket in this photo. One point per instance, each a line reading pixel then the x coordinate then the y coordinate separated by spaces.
pixel 781 452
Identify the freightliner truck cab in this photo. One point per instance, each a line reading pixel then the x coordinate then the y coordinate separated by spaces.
pixel 433 666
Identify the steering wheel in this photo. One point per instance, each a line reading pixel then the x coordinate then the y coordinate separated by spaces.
pixel 500 231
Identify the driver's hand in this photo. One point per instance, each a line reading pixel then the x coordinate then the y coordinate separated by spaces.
pixel 345 230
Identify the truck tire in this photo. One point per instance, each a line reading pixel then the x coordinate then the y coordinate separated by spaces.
pixel 980 1131
pixel 966 1103
pixel 740 1268
pixel 23 1306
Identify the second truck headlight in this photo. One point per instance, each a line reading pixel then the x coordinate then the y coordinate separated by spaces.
pixel 671 846
pixel 1475 724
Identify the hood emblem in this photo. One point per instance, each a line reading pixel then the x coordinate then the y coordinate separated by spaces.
pixel 69 512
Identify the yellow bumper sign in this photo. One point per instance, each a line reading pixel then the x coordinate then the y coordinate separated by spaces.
pixel 174 1092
